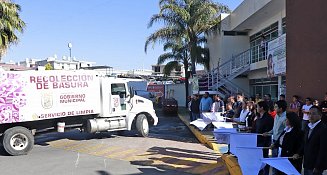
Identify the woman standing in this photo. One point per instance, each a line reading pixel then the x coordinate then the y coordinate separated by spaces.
pixel 290 141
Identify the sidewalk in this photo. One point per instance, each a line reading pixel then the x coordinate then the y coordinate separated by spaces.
pixel 205 137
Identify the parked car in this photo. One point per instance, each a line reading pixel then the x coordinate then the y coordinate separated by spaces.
pixel 169 105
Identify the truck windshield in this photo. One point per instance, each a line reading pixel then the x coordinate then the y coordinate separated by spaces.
pixel 118 89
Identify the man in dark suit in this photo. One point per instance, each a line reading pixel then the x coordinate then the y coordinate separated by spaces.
pixel 315 144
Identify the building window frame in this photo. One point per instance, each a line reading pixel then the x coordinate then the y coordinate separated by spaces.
pixel 270 33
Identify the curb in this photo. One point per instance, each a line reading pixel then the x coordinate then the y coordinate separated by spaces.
pixel 202 139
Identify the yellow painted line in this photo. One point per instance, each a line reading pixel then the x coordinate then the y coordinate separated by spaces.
pixel 78 145
pixel 106 151
pixel 62 143
pixel 185 162
pixel 131 156
pixel 159 162
pixel 117 154
pixel 188 162
pixel 89 149
pixel 168 160
pixel 137 157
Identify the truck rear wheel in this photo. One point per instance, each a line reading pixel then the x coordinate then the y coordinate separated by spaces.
pixel 18 141
pixel 142 125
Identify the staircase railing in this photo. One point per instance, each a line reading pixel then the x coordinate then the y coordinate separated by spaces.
pixel 219 79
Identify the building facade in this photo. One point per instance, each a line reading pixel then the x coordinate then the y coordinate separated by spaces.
pixel 29 62
pixel 239 52
pixel 158 70
pixel 65 63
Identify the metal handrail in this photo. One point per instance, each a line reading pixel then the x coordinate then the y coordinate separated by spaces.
pixel 221 75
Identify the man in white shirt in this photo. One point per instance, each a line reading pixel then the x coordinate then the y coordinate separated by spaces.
pixel 242 119
pixel 279 125
pixel 305 111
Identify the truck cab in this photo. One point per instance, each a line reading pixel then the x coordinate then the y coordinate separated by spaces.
pixel 123 109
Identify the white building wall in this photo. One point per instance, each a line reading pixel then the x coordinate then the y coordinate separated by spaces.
pixel 245 10
pixel 277 17
pixel 246 15
pixel 233 45
pixel 243 83
pixel 214 46
pixel 177 91
pixel 257 74
pixel 224 47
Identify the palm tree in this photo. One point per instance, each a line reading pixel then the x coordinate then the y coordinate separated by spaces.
pixel 190 19
pixel 10 23
pixel 178 54
pixel 187 21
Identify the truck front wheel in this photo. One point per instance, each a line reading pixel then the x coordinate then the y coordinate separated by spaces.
pixel 142 125
pixel 17 141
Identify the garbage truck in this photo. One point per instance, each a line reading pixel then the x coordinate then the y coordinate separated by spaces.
pixel 36 101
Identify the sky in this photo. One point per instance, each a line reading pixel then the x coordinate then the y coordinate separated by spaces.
pixel 108 32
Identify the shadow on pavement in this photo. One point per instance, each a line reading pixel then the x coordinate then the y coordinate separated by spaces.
pixel 177 152
pixel 3 151
pixel 183 160
pixel 103 173
pixel 42 139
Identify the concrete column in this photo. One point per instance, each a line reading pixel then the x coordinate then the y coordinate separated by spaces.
pixel 279 86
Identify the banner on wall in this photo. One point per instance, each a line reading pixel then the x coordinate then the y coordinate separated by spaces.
pixel 276 56
pixel 158 89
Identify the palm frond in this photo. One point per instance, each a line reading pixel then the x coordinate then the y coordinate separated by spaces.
pixel 10 24
pixel 175 10
pixel 165 57
pixel 167 20
pixel 161 35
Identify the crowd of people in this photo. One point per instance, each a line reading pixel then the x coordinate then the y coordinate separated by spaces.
pixel 297 131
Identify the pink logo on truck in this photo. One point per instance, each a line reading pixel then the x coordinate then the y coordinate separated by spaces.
pixel 12 97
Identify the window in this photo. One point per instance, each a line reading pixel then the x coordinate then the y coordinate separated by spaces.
pixel 118 89
pixel 284 25
pixel 265 86
pixel 235 33
pixel 270 33
pixel 157 69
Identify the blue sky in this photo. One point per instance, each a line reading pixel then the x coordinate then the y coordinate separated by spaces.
pixel 108 32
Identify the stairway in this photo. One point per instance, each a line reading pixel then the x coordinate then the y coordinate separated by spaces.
pixel 219 79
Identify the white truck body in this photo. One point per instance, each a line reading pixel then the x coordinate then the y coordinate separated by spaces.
pixel 36 100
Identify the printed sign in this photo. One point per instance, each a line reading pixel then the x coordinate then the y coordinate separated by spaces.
pixel 277 56
pixel 36 95
pixel 158 89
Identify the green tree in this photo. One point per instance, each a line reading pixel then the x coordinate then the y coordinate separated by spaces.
pixel 189 19
pixel 48 66
pixel 185 23
pixel 10 24
pixel 176 54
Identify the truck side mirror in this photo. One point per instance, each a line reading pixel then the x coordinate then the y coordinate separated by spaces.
pixel 131 91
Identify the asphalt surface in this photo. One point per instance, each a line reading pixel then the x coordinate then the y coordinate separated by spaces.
pixel 170 149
